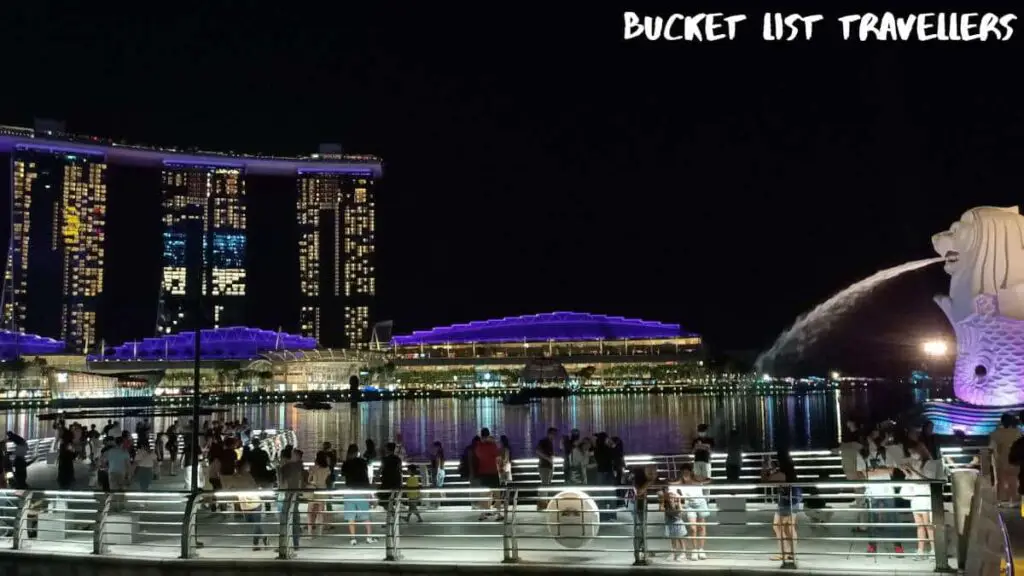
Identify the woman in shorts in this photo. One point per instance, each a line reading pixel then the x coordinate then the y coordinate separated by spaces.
pixel 675 528
pixel 697 512
pixel 784 523
pixel 921 466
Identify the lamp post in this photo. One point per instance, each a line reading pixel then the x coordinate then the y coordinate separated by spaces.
pixel 934 350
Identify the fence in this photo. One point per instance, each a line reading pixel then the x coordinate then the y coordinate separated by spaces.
pixel 730 525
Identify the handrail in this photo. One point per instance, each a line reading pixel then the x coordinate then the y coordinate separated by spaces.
pixel 1007 549
pixel 565 519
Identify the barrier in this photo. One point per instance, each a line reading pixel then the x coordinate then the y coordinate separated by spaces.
pixel 986 543
pixel 479 526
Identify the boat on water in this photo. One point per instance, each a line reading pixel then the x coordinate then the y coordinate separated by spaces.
pixel 312 405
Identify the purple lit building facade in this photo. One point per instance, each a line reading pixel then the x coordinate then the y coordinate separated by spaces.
pixel 572 348
pixel 55 264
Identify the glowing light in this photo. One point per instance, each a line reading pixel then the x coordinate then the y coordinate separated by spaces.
pixel 835 375
pixel 935 348
pixel 555 326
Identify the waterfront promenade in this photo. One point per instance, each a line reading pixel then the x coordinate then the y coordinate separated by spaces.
pixel 739 532
pixel 157 525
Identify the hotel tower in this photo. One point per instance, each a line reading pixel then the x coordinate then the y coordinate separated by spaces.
pixel 54 272
pixel 337 275
pixel 204 240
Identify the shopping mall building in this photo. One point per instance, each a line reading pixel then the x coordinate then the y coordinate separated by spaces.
pixel 557 349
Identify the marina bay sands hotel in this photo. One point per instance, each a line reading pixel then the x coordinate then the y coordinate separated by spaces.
pixel 54 273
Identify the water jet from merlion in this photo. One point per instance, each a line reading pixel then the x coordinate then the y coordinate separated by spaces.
pixel 809 327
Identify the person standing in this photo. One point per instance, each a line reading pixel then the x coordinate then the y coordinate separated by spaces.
pixel 849 449
pixel 66 462
pixel 873 466
pixel 488 460
pixel 390 476
pixel 292 478
pixel 145 462
pixel 172 448
pixel 118 471
pixel 546 463
pixel 317 482
pixel 20 460
pixel 734 456
pixel 356 473
pixel 436 468
pixel 1000 442
pixel 702 448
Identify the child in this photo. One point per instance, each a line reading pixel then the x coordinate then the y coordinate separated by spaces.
pixel 412 493
pixel 675 527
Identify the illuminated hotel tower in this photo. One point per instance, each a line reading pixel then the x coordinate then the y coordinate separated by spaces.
pixel 54 273
pixel 336 257
pixel 204 246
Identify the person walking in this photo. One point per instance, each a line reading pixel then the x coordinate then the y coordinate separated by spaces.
pixel 356 473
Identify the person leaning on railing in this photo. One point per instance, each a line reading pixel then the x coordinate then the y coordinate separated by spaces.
pixel 790 497
pixel 249 502
pixel 1001 442
pixel 643 478
pixel 291 478
pixel 922 466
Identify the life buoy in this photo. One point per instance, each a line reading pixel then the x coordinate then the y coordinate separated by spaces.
pixel 573 518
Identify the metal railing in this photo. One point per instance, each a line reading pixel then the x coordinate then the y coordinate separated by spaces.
pixel 736 524
pixel 810 465
pixel 37 448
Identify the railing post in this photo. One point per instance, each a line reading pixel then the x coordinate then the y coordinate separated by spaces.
pixel 287 510
pixel 510 547
pixel 21 521
pixel 940 545
pixel 188 526
pixel 100 528
pixel 640 530
pixel 391 550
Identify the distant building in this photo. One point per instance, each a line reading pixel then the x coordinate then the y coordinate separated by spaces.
pixel 55 261
pixel 337 264
pixel 204 219
pixel 54 272
pixel 560 348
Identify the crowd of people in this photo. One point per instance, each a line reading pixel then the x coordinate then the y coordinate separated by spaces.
pixel 231 458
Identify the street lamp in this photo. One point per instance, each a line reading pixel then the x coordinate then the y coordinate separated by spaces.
pixel 934 348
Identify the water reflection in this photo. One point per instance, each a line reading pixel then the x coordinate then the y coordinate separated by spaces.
pixel 646 423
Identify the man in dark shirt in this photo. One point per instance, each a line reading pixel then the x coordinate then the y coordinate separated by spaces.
pixel 702 448
pixel 292 477
pixel 390 475
pixel 332 462
pixel 546 456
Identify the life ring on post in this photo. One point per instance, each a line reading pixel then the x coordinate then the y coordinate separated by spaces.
pixel 573 518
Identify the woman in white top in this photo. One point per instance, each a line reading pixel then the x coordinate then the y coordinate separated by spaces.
pixel 145 459
pixel 921 466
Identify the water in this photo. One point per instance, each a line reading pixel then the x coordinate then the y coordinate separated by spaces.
pixel 647 423
pixel 810 326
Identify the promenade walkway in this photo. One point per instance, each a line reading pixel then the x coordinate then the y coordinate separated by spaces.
pixel 452 534
pixel 739 529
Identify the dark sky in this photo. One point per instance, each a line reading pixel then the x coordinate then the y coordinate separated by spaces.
pixel 537 162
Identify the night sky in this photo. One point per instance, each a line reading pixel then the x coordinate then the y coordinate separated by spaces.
pixel 534 161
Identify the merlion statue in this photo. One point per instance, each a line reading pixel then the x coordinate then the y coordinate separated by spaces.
pixel 984 253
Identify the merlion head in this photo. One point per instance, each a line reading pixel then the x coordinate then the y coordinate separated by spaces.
pixel 984 253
